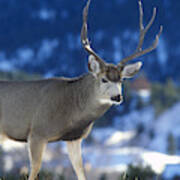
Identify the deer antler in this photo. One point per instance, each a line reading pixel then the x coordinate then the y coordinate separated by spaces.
pixel 143 31
pixel 84 39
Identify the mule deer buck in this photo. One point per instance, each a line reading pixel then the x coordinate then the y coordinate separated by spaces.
pixel 38 112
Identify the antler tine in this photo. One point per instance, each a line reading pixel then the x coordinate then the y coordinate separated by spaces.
pixel 143 31
pixel 84 39
pixel 141 26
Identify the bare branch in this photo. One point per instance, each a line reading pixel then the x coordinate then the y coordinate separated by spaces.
pixel 143 31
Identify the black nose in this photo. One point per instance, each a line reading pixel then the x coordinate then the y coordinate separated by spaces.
pixel 117 98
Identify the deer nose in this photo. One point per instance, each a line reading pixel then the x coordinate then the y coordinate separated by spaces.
pixel 117 98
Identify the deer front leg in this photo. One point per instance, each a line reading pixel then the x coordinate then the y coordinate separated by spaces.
pixel 74 152
pixel 36 148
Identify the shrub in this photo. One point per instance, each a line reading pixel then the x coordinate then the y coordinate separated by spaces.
pixel 138 173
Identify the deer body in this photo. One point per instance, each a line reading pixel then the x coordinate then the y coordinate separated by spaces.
pixel 38 112
pixel 43 111
pixel 55 109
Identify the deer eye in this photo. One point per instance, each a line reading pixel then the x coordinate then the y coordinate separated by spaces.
pixel 104 80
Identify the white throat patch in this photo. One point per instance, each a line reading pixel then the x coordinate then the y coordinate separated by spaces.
pixel 108 101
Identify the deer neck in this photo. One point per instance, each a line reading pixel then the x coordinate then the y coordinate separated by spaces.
pixel 84 107
pixel 85 97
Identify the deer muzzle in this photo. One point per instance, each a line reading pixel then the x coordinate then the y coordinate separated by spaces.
pixel 117 98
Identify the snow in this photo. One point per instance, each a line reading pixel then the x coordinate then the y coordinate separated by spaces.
pixel 8 163
pixel 104 158
pixel 119 137
pixel 144 93
pixel 45 14
pixel 158 161
pixel 107 159
pixel 162 52
pixel 24 56
pixel 134 118
pixel 8 145
pixel 6 66
pixel 168 122
pixel 117 49
pixel 46 49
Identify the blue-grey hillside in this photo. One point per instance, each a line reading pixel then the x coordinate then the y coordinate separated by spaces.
pixel 44 36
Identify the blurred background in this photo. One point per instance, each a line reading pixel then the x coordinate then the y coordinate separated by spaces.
pixel 141 137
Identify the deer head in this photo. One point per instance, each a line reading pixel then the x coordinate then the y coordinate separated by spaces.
pixel 110 76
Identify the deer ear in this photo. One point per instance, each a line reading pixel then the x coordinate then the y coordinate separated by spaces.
pixel 93 65
pixel 131 69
